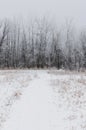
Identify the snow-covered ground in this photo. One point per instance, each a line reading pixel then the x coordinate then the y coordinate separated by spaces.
pixel 42 100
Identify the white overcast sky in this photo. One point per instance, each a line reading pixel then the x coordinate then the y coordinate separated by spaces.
pixel 59 9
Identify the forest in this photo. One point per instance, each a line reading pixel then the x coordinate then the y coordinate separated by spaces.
pixel 42 44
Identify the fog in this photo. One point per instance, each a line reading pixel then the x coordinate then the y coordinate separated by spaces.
pixel 56 9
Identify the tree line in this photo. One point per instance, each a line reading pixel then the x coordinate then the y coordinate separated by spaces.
pixel 41 44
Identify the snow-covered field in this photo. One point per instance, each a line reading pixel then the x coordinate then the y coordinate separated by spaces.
pixel 42 100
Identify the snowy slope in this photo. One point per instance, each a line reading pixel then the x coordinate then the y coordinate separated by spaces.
pixel 44 100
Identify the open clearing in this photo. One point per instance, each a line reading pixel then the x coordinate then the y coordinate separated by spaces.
pixel 42 100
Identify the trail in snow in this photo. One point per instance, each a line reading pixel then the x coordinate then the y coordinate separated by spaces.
pixel 52 100
pixel 35 110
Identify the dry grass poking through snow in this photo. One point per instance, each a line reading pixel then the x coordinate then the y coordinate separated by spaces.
pixel 70 90
pixel 69 93
pixel 12 83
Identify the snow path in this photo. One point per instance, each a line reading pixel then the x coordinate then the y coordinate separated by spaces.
pixel 35 110
pixel 50 100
